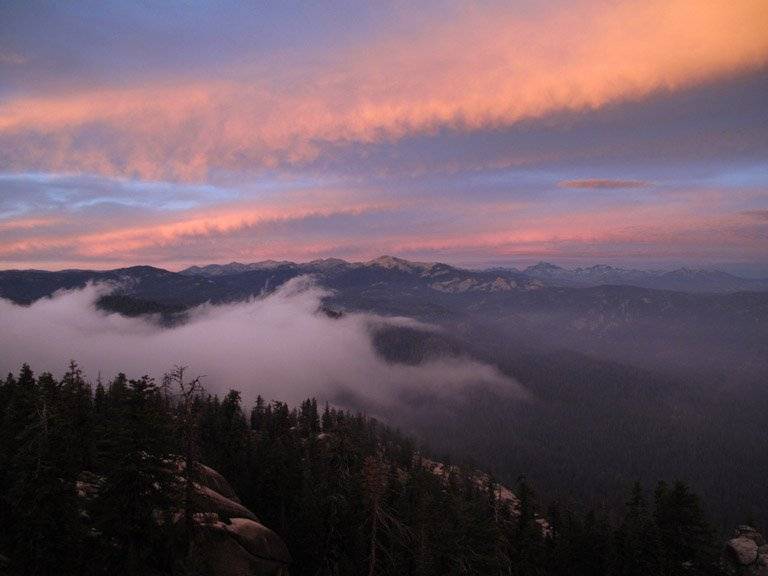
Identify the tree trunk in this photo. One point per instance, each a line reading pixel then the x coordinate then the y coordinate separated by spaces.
pixel 374 528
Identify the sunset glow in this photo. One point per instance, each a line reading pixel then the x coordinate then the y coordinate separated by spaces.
pixel 477 133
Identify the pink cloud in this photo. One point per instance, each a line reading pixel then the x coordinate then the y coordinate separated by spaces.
pixel 28 223
pixel 481 69
pixel 301 226
pixel 603 184
pixel 128 242
pixel 11 58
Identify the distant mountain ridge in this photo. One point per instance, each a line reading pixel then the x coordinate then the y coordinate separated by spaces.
pixel 233 268
pixel 444 277
pixel 680 279
pixel 438 276
pixel 388 277
pixel 389 262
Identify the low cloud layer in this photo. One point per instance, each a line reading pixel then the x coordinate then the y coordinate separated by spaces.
pixel 280 346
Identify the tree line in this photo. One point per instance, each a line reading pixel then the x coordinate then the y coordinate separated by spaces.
pixel 347 494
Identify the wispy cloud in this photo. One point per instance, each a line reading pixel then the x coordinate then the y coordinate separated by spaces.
pixel 488 129
pixel 603 184
pixel 11 58
pixel 130 241
pixel 757 214
pixel 481 69
pixel 490 220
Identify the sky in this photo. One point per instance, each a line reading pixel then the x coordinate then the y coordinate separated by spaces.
pixel 473 133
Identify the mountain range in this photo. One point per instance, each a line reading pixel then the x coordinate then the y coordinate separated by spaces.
pixel 224 282
pixel 680 279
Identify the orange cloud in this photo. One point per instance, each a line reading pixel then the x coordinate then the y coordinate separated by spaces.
pixel 644 229
pixel 240 232
pixel 11 59
pixel 603 184
pixel 27 223
pixel 481 69
pixel 133 241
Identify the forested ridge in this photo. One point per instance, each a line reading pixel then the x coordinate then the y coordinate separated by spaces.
pixel 347 494
pixel 628 383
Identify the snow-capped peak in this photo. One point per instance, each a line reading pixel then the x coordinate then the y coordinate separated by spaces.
pixel 393 263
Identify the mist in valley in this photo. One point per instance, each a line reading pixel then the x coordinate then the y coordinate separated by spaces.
pixel 283 346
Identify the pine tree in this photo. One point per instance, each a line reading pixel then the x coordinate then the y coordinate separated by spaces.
pixel 327 418
pixel 635 542
pixel 136 459
pixel 76 411
pixel 684 534
pixel 257 414
pixel 47 535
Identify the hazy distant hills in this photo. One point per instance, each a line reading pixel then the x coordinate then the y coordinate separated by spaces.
pixel 502 308
pixel 234 268
pixel 234 281
pixel 682 279
pixel 440 277
pixel 567 304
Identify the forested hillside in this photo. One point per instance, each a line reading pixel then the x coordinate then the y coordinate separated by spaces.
pixel 346 494
pixel 627 382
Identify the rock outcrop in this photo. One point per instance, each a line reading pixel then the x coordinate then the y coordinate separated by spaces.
pixel 209 477
pixel 481 479
pixel 206 499
pixel 241 547
pixel 228 539
pixel 746 554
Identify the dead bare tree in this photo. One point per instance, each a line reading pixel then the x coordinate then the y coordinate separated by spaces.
pixel 187 392
pixel 375 487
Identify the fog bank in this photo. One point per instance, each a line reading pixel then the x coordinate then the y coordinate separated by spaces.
pixel 280 346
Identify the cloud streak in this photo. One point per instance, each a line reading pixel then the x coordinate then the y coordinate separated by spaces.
pixel 757 214
pixel 127 241
pixel 707 223
pixel 479 69
pixel 603 184
pixel 11 59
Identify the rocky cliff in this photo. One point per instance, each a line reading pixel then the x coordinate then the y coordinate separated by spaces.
pixel 227 538
pixel 746 554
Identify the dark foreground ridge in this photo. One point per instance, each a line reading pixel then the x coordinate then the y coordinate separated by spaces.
pixel 138 478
